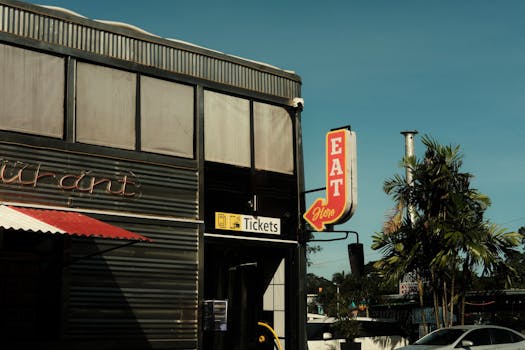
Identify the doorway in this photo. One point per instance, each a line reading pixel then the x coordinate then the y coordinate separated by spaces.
pixel 239 273
pixel 30 286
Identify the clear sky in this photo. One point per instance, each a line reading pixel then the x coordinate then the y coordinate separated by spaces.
pixel 453 69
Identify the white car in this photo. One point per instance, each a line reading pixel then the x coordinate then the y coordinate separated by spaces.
pixel 375 334
pixel 472 337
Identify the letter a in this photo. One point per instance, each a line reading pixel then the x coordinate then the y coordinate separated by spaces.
pixel 336 167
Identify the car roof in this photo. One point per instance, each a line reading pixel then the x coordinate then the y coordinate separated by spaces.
pixel 473 326
pixel 469 327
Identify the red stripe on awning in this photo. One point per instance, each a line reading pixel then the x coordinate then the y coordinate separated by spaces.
pixel 73 223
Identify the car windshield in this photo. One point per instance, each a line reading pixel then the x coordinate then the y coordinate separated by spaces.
pixel 443 336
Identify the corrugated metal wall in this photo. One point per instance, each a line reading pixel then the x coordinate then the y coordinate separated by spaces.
pixel 55 28
pixel 142 296
pixel 161 190
pixel 146 291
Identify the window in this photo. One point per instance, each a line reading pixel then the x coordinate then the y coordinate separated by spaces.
pixel 31 92
pixel 227 133
pixel 442 336
pixel 166 117
pixel 479 337
pixel 105 106
pixel 273 131
pixel 226 129
pixel 503 336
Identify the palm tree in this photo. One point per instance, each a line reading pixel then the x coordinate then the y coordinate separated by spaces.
pixel 448 233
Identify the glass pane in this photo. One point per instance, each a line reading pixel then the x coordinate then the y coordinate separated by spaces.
pixel 31 92
pixel 226 129
pixel 502 336
pixel 443 336
pixel 105 106
pixel 273 138
pixel 479 337
pixel 166 117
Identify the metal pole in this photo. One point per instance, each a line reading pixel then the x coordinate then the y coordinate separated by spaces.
pixel 338 314
pixel 409 152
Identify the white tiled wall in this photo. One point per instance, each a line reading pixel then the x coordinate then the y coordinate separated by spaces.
pixel 274 301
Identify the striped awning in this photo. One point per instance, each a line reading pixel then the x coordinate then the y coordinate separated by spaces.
pixel 61 222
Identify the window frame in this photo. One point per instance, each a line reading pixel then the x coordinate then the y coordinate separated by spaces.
pixel 253 151
pixel 58 129
pixel 137 149
pixel 129 141
pixel 140 117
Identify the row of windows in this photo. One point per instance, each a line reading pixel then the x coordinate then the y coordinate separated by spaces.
pixel 32 95
pixel 227 133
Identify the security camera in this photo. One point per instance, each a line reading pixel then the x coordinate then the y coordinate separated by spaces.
pixel 298 102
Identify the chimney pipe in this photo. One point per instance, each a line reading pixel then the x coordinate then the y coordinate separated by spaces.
pixel 409 152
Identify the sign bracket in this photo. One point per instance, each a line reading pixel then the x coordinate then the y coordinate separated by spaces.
pixel 335 239
pixel 314 190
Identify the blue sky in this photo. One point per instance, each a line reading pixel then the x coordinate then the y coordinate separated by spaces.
pixel 448 68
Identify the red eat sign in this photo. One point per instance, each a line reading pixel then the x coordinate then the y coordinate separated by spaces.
pixel 341 182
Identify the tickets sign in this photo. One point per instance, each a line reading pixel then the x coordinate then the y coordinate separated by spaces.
pixel 247 223
pixel 341 182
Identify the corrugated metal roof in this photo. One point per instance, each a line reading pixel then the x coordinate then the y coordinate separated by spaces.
pixel 61 222
pixel 61 28
pixel 12 219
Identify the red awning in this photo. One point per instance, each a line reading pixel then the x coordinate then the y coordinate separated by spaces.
pixel 61 222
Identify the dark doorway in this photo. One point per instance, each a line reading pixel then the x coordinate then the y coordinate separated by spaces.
pixel 239 273
pixel 30 286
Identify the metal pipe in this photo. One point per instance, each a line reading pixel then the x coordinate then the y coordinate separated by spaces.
pixel 338 314
pixel 409 152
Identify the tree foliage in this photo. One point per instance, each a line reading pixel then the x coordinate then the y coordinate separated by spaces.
pixel 371 287
pixel 445 240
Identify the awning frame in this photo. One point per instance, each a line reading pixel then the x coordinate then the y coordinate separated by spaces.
pixel 101 252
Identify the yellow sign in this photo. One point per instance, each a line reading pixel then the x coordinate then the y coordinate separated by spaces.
pixel 247 223
pixel 227 221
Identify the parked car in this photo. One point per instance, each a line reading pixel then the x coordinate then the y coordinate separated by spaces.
pixel 374 334
pixel 470 337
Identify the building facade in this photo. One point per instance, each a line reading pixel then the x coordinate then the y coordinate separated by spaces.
pixel 150 190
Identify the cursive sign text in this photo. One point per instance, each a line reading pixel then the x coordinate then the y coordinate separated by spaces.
pixel 25 174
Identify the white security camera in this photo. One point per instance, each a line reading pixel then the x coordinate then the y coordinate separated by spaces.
pixel 298 102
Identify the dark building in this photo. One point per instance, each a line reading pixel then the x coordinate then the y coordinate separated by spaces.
pixel 149 191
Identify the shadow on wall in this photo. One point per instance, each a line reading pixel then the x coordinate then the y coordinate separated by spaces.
pixel 104 296
pixel 45 305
